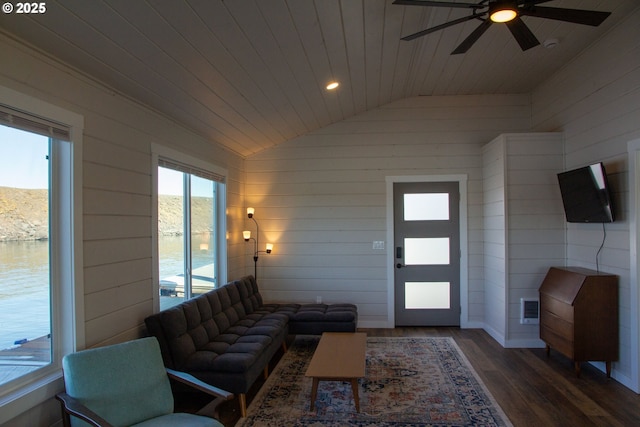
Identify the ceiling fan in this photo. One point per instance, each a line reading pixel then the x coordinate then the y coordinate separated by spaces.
pixel 508 12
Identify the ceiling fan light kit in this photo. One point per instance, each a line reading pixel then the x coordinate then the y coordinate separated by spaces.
pixel 507 12
pixel 504 11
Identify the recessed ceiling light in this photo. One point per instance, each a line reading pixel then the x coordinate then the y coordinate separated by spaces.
pixel 332 85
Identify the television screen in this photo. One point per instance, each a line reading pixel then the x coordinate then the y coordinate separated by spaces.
pixel 585 194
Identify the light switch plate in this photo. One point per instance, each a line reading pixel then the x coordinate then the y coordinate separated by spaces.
pixel 378 244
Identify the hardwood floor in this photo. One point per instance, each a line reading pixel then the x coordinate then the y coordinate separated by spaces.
pixel 531 388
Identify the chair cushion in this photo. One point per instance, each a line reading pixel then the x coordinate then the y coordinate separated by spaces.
pixel 124 383
pixel 179 419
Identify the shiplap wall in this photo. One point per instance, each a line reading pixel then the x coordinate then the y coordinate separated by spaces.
pixel 524 228
pixel 495 238
pixel 116 195
pixel 595 101
pixel 321 199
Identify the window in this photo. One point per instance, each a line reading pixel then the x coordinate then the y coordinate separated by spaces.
pixel 40 248
pixel 190 234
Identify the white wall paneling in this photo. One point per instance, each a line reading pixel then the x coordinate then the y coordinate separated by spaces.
pixel 598 115
pixel 322 198
pixel 523 228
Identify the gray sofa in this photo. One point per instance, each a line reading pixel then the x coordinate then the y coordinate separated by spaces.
pixel 226 337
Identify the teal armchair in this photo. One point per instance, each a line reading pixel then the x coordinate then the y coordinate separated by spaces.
pixel 127 385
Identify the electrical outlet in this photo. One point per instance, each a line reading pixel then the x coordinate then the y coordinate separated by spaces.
pixel 318 300
pixel 378 244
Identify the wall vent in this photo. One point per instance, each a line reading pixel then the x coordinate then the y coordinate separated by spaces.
pixel 529 311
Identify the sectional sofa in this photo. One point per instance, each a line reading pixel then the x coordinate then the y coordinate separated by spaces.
pixel 227 336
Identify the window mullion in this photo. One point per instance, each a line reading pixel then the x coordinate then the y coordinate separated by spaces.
pixel 187 236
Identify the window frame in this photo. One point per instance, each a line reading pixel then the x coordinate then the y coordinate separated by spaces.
pixel 67 293
pixel 158 152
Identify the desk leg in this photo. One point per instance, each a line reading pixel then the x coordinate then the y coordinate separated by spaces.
pixel 314 392
pixel 356 398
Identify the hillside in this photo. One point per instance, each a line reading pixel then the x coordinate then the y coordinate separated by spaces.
pixel 24 214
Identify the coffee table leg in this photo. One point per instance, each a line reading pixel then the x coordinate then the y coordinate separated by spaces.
pixel 314 392
pixel 356 398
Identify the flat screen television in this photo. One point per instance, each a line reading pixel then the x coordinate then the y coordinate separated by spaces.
pixel 586 194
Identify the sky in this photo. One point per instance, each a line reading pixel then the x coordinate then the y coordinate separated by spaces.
pixel 23 159
pixel 170 182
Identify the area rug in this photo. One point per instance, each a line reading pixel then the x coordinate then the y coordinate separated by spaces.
pixel 424 381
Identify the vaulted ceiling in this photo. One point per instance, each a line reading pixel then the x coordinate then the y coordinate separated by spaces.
pixel 250 74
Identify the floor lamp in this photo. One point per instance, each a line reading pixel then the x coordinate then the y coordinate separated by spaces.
pixel 247 236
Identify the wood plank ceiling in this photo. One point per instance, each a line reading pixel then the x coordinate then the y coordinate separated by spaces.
pixel 250 74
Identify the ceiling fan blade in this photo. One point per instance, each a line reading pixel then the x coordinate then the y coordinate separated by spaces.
pixel 585 17
pixel 522 34
pixel 528 3
pixel 472 38
pixel 442 26
pixel 438 4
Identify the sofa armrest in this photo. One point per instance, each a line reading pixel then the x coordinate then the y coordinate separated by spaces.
pixel 71 406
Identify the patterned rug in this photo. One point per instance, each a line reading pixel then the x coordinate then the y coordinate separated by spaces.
pixel 409 382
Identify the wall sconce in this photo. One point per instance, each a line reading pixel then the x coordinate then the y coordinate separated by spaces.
pixel 247 236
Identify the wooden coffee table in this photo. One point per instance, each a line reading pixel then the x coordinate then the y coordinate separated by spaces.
pixel 340 356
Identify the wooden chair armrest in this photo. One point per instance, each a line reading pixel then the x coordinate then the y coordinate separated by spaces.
pixel 192 381
pixel 74 407
pixel 211 409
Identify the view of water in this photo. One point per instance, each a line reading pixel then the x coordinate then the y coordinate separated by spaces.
pixel 24 283
pixel 24 291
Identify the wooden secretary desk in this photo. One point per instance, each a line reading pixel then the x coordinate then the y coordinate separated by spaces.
pixel 579 315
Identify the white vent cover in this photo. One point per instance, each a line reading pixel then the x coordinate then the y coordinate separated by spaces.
pixel 529 311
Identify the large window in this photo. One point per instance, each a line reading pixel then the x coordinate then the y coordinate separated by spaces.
pixel 190 228
pixel 25 270
pixel 40 248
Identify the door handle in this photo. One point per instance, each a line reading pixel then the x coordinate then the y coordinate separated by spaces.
pixel 398 265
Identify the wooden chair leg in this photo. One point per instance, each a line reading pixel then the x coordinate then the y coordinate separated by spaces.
pixel 242 398
pixel 284 346
pixel 266 372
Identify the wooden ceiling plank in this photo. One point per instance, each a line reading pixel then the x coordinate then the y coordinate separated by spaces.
pixel 193 28
pixel 280 20
pixel 308 27
pixel 226 30
pixel 147 36
pixel 393 62
pixel 373 35
pixel 139 60
pixel 266 48
pixel 353 27
pixel 192 70
pixel 332 28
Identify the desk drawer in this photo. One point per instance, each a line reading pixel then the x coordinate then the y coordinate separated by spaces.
pixel 559 308
pixel 558 325
pixel 557 342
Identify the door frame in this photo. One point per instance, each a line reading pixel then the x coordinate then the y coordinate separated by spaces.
pixel 461 179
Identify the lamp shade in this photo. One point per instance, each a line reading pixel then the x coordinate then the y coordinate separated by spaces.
pixel 250 212
pixel 246 234
pixel 269 247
